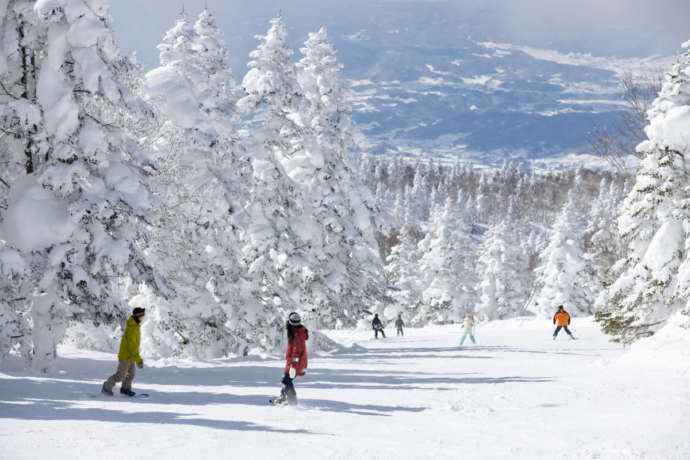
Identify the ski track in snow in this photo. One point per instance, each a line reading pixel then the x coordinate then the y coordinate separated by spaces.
pixel 515 395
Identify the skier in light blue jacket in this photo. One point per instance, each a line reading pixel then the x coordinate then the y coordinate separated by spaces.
pixel 469 329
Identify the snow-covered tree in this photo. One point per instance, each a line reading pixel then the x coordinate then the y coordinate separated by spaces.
pixel 447 263
pixel 403 275
pixel 503 285
pixel 602 247
pixel 88 184
pixel 654 221
pixel 203 184
pixel 484 202
pixel 350 268
pixel 15 330
pixel 564 278
pixel 285 241
pixel 21 40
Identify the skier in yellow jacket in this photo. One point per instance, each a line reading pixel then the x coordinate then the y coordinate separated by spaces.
pixel 128 356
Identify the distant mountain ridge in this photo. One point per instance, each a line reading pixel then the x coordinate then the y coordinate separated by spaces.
pixel 483 100
pixel 481 80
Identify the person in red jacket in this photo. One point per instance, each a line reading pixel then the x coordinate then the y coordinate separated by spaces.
pixel 295 358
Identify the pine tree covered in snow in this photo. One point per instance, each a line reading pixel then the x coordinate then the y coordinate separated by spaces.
pixel 203 184
pixel 654 220
pixel 14 325
pixel 88 184
pixel 403 275
pixel 447 264
pixel 20 118
pixel 504 283
pixel 602 247
pixel 350 267
pixel 285 240
pixel 564 277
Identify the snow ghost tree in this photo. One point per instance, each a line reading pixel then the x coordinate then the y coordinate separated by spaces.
pixel 652 279
pixel 284 237
pixel 502 267
pixel 350 270
pixel 203 183
pixel 602 248
pixel 448 254
pixel 563 277
pixel 87 181
pixel 403 276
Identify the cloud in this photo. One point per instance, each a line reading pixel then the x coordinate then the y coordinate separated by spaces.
pixel 623 28
pixel 612 27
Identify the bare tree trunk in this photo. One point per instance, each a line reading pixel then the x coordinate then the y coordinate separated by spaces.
pixel 28 93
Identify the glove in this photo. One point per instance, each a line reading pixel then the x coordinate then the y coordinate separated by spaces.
pixel 293 372
pixel 140 364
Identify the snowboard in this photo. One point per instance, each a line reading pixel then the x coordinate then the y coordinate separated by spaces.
pixel 136 396
pixel 277 402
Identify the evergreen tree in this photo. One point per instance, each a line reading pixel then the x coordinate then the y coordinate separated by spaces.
pixel 602 247
pixel 564 278
pixel 448 254
pixel 504 283
pixel 403 276
pixel 83 169
pixel 284 238
pixel 204 184
pixel 350 268
pixel 654 221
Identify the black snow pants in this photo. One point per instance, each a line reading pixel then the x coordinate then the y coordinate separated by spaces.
pixel 558 329
pixel 376 333
pixel 288 390
pixel 400 331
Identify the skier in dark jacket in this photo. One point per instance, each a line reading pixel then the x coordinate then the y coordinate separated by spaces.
pixel 295 358
pixel 377 326
pixel 563 319
pixel 399 325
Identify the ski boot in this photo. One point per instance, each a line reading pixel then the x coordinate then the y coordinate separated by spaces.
pixel 127 392
pixel 280 400
pixel 105 391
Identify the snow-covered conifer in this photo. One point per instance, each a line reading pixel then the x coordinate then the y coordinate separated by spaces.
pixel 88 184
pixel 564 278
pixel 285 240
pixel 351 269
pixel 447 263
pixel 203 184
pixel 602 247
pixel 403 275
pixel 650 284
pixel 504 282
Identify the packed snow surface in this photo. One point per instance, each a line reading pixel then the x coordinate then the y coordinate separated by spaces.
pixel 516 394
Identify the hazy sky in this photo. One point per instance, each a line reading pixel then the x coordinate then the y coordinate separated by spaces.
pixel 623 28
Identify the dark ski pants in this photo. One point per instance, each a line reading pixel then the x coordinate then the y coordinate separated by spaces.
pixel 400 331
pixel 558 329
pixel 288 390
pixel 376 333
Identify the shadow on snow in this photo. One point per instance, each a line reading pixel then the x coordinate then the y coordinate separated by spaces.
pixel 55 397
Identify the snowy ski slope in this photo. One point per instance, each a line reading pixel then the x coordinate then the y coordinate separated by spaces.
pixel 515 395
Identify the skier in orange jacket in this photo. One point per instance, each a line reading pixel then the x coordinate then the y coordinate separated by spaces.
pixel 562 320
